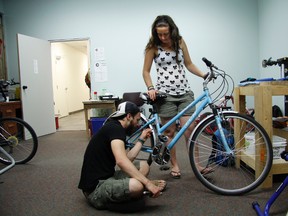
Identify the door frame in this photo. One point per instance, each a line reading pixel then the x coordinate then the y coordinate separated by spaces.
pixel 61 106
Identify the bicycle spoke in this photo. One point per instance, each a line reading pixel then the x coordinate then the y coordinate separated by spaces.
pixel 18 139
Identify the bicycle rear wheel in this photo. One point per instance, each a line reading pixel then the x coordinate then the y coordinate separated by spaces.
pixel 17 138
pixel 147 147
pixel 230 174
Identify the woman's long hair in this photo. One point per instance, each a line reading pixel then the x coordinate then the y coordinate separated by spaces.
pixel 164 21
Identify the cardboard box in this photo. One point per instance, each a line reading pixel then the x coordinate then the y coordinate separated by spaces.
pixel 279 145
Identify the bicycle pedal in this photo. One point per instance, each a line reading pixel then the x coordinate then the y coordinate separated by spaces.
pixel 148 193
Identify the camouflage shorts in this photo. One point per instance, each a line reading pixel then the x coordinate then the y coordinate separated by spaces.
pixel 112 190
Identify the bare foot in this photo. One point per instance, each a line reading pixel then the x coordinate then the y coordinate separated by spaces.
pixel 160 183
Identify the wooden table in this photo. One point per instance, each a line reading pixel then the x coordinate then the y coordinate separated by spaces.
pixel 97 104
pixel 263 114
pixel 9 109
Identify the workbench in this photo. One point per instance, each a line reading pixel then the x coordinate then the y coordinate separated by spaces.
pixel 263 93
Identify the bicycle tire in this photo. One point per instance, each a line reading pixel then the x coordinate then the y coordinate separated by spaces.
pixel 238 176
pixel 212 128
pixel 148 145
pixel 17 138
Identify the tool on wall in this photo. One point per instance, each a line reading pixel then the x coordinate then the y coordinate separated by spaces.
pixel 283 64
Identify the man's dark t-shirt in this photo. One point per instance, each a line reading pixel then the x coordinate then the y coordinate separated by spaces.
pixel 99 162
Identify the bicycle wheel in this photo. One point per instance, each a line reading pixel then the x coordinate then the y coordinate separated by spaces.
pixel 147 148
pixel 237 173
pixel 211 128
pixel 18 139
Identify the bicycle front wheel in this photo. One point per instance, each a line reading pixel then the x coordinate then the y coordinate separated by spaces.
pixel 212 127
pixel 236 172
pixel 17 138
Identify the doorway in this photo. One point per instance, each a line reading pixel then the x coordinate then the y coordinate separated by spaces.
pixel 70 64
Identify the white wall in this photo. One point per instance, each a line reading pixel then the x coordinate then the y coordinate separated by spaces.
pixel 273 34
pixel 224 31
pixel 1 6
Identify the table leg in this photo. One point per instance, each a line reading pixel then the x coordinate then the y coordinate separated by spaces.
pixel 263 115
pixel 86 120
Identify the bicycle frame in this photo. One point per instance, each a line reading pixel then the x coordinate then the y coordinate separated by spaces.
pixel 6 154
pixel 275 195
pixel 206 100
pixel 10 158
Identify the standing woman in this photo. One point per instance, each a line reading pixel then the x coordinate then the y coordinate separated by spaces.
pixel 168 50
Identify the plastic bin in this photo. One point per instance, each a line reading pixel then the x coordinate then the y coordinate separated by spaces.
pixel 96 124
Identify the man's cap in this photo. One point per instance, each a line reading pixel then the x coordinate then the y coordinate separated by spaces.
pixel 125 108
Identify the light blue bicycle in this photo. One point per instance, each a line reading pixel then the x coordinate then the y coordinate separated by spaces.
pixel 239 153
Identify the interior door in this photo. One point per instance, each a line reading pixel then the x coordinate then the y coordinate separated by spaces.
pixel 36 83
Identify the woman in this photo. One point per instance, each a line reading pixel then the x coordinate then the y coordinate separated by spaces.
pixel 168 50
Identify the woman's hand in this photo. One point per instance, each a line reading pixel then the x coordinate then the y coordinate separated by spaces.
pixel 152 94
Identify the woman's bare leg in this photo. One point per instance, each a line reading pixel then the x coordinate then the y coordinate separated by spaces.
pixel 187 135
pixel 170 132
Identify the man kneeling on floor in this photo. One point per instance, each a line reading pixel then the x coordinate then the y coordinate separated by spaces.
pixel 101 184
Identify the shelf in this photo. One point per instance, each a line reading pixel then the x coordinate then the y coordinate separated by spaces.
pixel 263 94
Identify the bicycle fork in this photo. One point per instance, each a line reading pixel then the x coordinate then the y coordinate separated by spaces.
pixel 219 118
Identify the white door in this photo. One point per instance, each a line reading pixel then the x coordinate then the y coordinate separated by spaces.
pixel 36 83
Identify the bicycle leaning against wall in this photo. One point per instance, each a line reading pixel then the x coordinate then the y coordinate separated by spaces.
pixel 18 140
pixel 239 159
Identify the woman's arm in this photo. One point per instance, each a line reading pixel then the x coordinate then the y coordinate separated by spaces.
pixel 149 56
pixel 188 62
pixel 148 60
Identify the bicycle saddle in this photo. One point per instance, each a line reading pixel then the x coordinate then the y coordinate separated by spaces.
pixel 145 97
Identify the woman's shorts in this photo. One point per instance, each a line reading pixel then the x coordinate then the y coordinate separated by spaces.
pixel 172 105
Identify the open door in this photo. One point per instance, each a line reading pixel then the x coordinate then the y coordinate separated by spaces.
pixel 36 84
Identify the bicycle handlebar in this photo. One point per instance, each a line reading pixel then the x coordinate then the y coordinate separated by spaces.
pixel 211 74
pixel 209 63
pixel 4 84
pixel 146 98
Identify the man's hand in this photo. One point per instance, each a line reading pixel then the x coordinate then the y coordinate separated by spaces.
pixel 146 133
